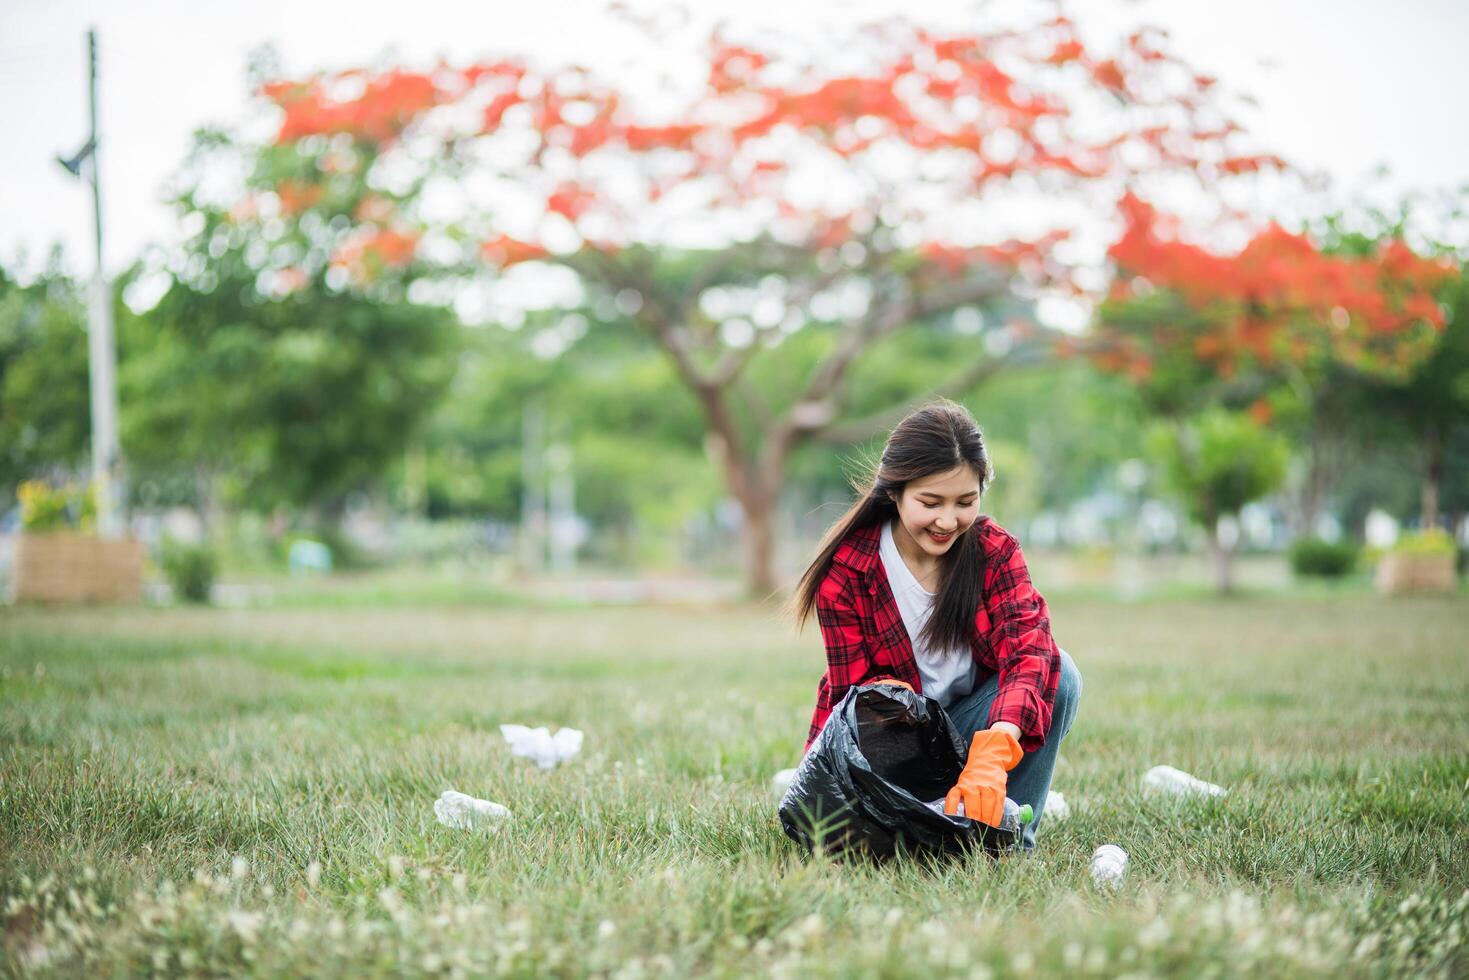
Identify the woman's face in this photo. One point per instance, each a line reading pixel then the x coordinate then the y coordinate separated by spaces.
pixel 935 510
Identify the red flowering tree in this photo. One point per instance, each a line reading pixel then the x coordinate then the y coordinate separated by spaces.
pixel 1267 329
pixel 847 195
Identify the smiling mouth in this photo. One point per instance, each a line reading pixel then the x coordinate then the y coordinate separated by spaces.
pixel 941 537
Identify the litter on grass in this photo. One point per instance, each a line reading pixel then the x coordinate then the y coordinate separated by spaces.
pixel 1109 867
pixel 539 745
pixel 1176 782
pixel 463 812
pixel 1056 807
pixel 782 782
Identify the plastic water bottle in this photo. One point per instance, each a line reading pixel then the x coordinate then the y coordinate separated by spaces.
pixel 1109 867
pixel 1176 782
pixel 1016 815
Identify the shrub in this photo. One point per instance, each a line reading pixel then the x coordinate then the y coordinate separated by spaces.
pixel 47 508
pixel 1313 557
pixel 190 570
pixel 1429 541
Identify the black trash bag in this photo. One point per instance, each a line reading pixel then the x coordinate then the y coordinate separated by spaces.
pixel 863 783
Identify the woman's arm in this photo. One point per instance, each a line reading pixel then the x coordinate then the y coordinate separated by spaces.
pixel 1026 656
pixel 847 658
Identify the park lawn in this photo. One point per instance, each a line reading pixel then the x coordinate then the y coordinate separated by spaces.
pixel 250 791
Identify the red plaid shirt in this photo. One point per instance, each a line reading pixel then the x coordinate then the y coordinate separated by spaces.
pixel 865 637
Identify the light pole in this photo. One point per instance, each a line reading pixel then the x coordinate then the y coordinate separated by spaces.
pixel 107 464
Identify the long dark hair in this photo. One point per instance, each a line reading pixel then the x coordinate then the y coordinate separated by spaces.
pixel 933 439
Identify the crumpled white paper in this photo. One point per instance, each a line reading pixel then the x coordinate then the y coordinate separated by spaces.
pixel 1176 782
pixel 541 746
pixel 782 782
pixel 463 812
pixel 1056 806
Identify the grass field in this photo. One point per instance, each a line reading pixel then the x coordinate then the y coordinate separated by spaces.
pixel 250 791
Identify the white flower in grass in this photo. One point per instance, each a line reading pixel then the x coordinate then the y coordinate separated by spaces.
pixel 245 924
pixel 313 874
pixel 239 868
pixel 606 928
pixel 1154 934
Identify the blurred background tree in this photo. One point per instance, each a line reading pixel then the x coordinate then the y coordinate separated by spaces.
pixel 44 423
pixel 613 192
pixel 401 285
pixel 1280 330
pixel 1215 462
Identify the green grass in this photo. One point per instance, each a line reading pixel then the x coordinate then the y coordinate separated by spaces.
pixel 250 791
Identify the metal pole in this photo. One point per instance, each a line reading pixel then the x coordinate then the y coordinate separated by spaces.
pixel 107 465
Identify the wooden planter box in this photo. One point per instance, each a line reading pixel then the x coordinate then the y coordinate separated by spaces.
pixel 64 566
pixel 1399 574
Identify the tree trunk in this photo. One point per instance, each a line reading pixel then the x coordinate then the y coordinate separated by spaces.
pixel 759 543
pixel 1433 471
pixel 755 476
pixel 1223 558
pixel 1313 490
pixel 209 508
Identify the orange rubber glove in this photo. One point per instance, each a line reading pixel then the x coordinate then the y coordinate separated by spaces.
pixel 893 681
pixel 981 786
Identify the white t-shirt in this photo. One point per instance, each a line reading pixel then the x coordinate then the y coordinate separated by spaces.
pixel 945 679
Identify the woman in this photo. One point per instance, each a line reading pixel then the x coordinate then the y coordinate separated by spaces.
pixel 914 587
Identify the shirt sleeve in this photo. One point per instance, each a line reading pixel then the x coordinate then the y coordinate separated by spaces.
pixel 1027 658
pixel 847 658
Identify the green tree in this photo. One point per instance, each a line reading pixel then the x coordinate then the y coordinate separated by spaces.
pixel 44 404
pixel 286 364
pixel 291 402
pixel 1215 463
pixel 1426 406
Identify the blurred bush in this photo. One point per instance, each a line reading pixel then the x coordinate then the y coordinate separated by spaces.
pixel 1315 558
pixel 189 568
pixel 47 508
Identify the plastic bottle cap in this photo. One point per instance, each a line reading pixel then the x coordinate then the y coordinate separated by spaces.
pixel 1026 813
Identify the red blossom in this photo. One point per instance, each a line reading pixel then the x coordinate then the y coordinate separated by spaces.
pixel 1281 298
pixel 505 251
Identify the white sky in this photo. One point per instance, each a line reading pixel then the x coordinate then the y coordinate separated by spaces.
pixel 1343 85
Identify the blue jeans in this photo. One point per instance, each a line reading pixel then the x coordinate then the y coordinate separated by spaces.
pixel 1030 780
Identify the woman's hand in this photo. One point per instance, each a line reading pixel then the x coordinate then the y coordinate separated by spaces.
pixel 981 786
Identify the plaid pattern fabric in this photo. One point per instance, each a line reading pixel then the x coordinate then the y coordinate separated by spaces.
pixel 865 638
